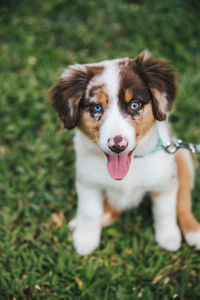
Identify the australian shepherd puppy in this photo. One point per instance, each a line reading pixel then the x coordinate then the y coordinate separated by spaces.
pixel 120 109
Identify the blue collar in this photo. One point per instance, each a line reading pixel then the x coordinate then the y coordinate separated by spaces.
pixel 159 147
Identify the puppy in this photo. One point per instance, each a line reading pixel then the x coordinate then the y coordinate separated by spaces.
pixel 120 109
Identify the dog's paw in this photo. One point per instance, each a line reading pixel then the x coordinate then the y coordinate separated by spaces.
pixel 85 242
pixel 193 239
pixel 169 239
pixel 72 224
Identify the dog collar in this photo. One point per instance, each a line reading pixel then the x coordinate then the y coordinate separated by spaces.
pixel 171 147
pixel 159 146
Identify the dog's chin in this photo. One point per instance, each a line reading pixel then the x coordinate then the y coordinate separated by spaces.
pixel 118 164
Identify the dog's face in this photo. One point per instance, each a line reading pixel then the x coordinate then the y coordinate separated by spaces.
pixel 115 103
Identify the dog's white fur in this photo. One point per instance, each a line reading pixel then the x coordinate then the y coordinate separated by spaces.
pixel 155 173
pixel 152 172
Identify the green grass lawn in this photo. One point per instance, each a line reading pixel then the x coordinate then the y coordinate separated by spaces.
pixel 38 39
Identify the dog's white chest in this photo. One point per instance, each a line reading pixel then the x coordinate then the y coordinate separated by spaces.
pixel 147 174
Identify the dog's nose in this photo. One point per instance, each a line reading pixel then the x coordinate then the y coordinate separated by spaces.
pixel 117 144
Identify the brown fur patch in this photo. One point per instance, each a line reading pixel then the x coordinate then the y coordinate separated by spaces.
pixel 128 95
pixel 102 98
pixel 67 93
pixel 89 126
pixel 131 85
pixel 123 62
pixel 158 75
pixel 186 219
pixel 94 70
pixel 143 122
pixel 133 88
pixel 90 123
pixel 160 104
pixel 111 212
pixel 156 194
pixel 94 89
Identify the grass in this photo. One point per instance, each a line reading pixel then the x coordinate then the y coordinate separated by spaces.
pixel 37 195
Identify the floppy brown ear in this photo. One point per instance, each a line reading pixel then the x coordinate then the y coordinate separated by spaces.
pixel 67 93
pixel 160 78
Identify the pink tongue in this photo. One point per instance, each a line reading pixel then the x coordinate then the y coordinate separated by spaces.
pixel 118 165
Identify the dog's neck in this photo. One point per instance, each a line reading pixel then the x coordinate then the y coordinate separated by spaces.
pixel 151 141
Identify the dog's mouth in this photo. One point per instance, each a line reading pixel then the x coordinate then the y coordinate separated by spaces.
pixel 118 164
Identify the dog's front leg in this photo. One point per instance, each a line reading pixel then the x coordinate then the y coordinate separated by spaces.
pixel 88 226
pixel 167 231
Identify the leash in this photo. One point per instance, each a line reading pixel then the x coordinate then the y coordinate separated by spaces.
pixel 172 147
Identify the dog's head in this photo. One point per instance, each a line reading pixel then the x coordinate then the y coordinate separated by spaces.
pixel 115 103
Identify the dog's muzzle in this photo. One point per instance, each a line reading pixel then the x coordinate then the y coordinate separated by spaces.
pixel 117 144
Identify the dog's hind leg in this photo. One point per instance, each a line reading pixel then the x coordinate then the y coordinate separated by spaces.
pixel 167 232
pixel 189 225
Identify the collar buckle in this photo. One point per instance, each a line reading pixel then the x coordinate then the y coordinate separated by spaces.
pixel 171 147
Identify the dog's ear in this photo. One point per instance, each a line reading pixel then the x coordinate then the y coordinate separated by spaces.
pixel 67 93
pixel 160 78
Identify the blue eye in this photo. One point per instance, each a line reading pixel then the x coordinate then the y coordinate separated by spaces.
pixel 135 105
pixel 97 107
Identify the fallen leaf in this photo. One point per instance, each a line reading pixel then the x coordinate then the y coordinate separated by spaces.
pixel 58 219
pixel 37 287
pixel 80 283
pixel 128 250
pixel 166 280
pixel 2 150
pixel 157 278
pixel 32 60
